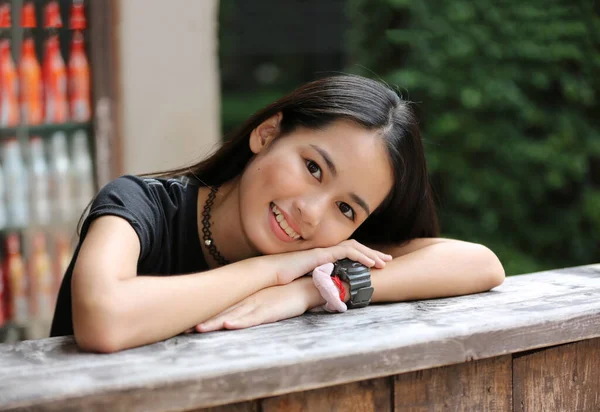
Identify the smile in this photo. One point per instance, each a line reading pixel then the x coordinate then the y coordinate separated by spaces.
pixel 283 223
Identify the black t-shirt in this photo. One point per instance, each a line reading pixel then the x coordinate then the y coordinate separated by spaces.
pixel 163 213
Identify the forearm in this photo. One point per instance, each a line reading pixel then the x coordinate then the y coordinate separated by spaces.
pixel 147 309
pixel 439 270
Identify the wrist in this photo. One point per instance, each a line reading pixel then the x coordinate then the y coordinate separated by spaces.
pixel 310 292
pixel 265 267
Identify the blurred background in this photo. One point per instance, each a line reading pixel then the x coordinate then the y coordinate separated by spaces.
pixel 507 94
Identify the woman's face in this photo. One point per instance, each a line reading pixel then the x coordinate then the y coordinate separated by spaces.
pixel 320 185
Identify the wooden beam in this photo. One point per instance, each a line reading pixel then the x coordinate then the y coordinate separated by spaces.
pixel 484 385
pixel 563 378
pixel 367 396
pixel 308 352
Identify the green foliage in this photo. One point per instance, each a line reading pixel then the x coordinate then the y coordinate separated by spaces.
pixel 509 99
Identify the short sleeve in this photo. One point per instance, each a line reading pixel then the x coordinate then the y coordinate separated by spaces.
pixel 130 198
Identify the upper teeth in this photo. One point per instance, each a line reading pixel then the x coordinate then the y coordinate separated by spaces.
pixel 284 224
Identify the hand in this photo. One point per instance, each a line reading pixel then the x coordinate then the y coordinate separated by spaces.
pixel 292 265
pixel 266 306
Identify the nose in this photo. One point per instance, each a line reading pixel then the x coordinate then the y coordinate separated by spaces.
pixel 311 210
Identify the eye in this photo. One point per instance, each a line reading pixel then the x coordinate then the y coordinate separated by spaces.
pixel 314 168
pixel 347 210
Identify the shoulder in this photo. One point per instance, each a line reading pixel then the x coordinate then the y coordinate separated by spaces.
pixel 131 187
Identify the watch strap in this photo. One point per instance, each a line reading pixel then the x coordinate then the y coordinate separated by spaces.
pixel 358 277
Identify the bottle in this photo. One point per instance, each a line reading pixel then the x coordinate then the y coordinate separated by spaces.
pixel 9 88
pixel 54 73
pixel 77 20
pixel 39 182
pixel 83 172
pixel 30 73
pixel 41 292
pixel 79 81
pixel 60 178
pixel 16 284
pixel 3 297
pixel 16 184
pixel 78 68
pixel 3 213
pixel 3 223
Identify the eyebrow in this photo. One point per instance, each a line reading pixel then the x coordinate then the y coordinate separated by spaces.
pixel 331 166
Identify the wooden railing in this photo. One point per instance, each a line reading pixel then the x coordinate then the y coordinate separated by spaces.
pixel 530 345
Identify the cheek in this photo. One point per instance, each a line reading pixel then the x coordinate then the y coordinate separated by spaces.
pixel 331 232
pixel 281 176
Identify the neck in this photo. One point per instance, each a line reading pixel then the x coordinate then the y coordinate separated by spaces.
pixel 225 224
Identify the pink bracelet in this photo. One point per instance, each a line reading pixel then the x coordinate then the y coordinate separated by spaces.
pixel 327 288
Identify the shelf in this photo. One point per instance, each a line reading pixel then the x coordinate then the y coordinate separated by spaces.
pixel 43 129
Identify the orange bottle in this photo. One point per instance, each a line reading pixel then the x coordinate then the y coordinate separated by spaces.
pixel 9 89
pixel 78 67
pixel 54 73
pixel 30 74
pixel 41 292
pixel 16 284
pixel 79 81
pixel 77 20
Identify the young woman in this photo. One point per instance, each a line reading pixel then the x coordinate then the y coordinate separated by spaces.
pixel 334 170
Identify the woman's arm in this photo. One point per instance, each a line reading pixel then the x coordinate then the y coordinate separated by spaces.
pixel 421 269
pixel 429 268
pixel 434 268
pixel 114 308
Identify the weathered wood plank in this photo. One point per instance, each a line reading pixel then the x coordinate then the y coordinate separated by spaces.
pixel 235 407
pixel 205 370
pixel 563 378
pixel 367 396
pixel 484 385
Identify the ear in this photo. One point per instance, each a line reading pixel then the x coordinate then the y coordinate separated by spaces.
pixel 265 133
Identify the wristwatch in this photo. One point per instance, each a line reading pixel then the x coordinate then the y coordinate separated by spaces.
pixel 359 278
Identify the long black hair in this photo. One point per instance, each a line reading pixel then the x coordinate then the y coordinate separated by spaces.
pixel 408 211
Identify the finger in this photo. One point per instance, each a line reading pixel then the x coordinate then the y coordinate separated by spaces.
pixel 209 325
pixel 358 256
pixel 374 255
pixel 216 323
pixel 385 256
pixel 380 258
pixel 254 318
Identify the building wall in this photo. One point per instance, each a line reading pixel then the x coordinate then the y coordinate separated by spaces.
pixel 169 84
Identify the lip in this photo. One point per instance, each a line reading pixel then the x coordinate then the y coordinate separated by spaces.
pixel 289 220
